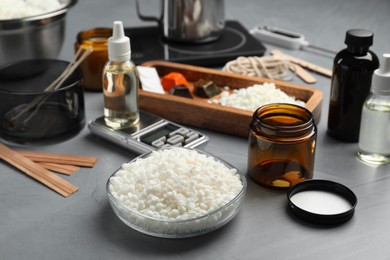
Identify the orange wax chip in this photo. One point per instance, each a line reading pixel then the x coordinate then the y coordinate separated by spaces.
pixel 173 79
pixel 293 176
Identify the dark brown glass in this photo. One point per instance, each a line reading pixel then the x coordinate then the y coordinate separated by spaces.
pixel 352 73
pixel 282 141
pixel 92 67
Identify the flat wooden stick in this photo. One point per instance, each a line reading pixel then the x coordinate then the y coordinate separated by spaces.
pixel 59 168
pixel 303 63
pixel 64 166
pixel 37 172
pixel 59 158
pixel 303 74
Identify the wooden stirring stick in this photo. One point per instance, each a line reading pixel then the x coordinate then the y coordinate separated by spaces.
pixel 59 158
pixel 59 168
pixel 302 63
pixel 303 74
pixel 37 172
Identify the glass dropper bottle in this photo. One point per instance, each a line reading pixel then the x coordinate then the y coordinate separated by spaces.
pixel 374 139
pixel 120 82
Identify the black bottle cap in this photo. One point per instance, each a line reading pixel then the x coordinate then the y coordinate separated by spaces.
pixel 322 202
pixel 359 38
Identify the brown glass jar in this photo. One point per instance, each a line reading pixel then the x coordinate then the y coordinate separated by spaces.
pixel 282 141
pixel 92 66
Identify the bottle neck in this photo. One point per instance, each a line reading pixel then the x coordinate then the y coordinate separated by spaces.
pixel 116 62
pixel 358 50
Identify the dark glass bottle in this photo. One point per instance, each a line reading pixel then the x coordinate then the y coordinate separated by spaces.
pixel 352 72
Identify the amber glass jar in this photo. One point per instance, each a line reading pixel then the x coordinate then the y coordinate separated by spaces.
pixel 282 140
pixel 92 66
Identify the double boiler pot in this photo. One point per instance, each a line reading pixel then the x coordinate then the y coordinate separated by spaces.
pixel 192 21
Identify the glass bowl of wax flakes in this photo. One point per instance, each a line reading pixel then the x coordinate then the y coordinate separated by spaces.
pixel 176 192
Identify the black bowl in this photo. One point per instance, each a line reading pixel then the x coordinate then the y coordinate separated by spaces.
pixel 31 115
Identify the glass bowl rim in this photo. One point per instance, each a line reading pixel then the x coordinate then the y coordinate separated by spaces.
pixel 43 92
pixel 32 18
pixel 181 221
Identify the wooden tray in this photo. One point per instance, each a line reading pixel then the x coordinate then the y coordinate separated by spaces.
pixel 198 112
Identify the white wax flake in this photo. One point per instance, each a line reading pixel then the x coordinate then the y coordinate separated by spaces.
pixel 175 184
pixel 255 96
pixel 16 9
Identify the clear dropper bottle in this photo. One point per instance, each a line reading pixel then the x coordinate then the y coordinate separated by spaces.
pixel 374 139
pixel 120 82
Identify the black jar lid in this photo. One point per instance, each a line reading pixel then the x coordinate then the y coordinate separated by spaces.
pixel 322 202
pixel 359 38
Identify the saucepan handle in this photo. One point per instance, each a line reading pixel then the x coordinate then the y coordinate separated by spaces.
pixel 150 18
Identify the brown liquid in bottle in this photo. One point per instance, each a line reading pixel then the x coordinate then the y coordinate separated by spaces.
pixel 281 146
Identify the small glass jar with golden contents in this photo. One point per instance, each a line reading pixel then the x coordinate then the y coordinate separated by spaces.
pixel 92 66
pixel 282 141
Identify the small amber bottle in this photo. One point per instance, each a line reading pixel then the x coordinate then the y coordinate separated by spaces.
pixel 282 141
pixel 92 67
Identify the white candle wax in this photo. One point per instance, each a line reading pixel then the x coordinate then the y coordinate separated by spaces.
pixel 321 202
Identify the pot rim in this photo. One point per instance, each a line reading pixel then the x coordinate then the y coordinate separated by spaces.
pixel 20 22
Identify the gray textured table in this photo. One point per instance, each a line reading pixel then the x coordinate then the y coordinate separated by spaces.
pixel 37 223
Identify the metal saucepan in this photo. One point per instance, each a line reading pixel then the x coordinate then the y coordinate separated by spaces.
pixel 34 37
pixel 192 21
